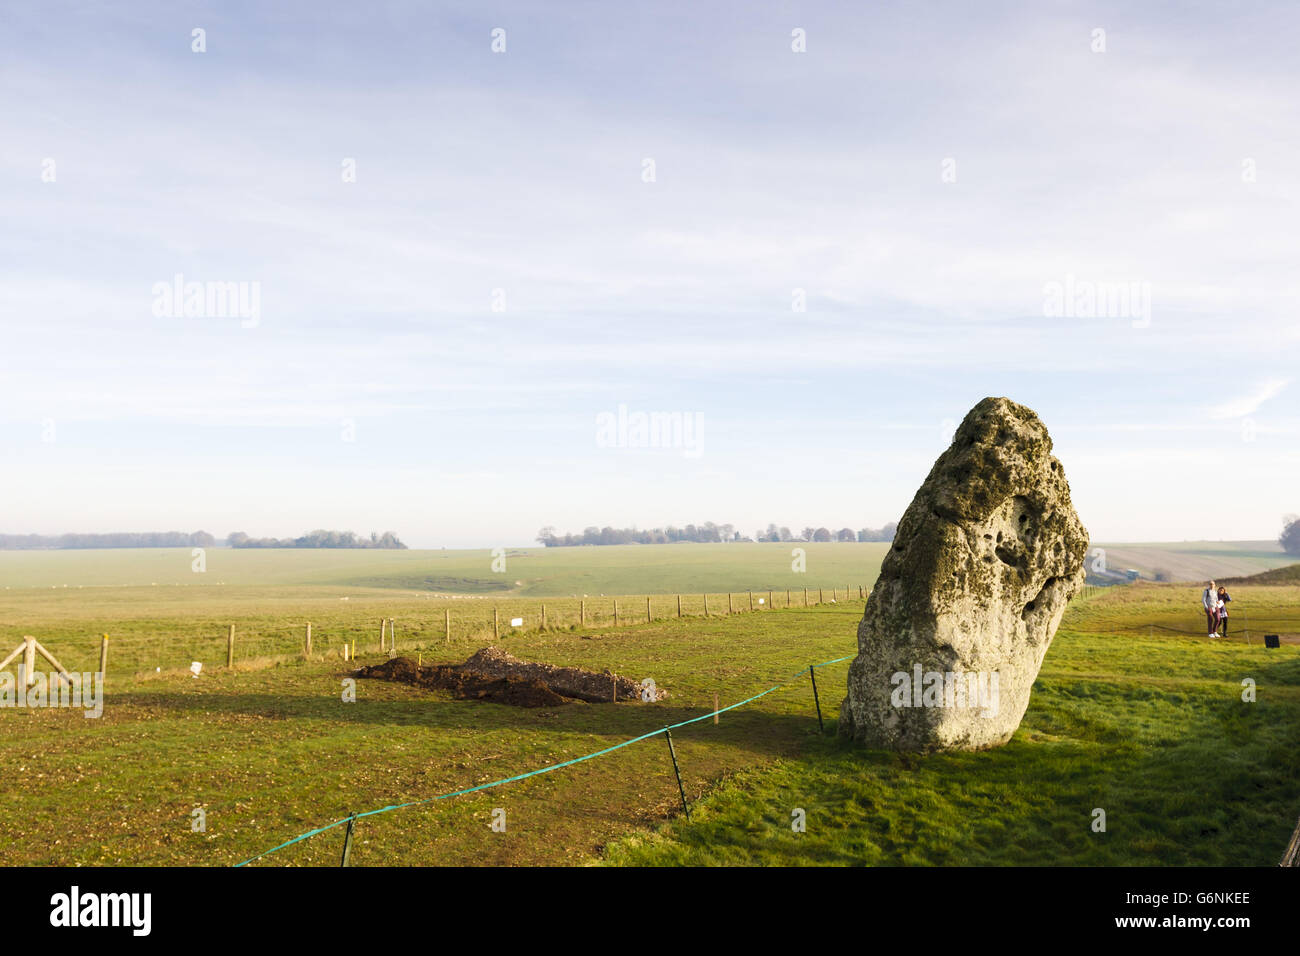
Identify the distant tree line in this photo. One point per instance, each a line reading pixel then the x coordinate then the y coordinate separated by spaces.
pixel 1290 536
pixel 319 539
pixel 123 539
pixel 706 532
pixel 199 539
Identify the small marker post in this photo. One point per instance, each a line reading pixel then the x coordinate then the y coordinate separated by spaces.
pixel 347 840
pixel 812 672
pixel 672 752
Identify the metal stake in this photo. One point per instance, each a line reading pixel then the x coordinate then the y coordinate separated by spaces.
pixel 672 751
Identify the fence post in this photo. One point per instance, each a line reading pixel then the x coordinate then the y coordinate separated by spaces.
pixel 805 597
pixel 787 597
pixel 230 647
pixel 383 626
pixel 751 600
pixel 715 708
pixel 820 596
pixel 616 612
pixel 309 638
pixel 706 604
pixel 103 658
pixel 582 613
pixel 446 624
pixel 347 840
pixel 392 634
pixel 672 751
pixel 543 617
pixel 679 605
pixel 496 625
pixel 730 608
pixel 648 618
pixel 770 605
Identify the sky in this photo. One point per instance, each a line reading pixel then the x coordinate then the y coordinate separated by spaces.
pixel 461 264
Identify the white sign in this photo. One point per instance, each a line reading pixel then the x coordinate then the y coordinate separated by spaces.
pixel 195 667
pixel 516 622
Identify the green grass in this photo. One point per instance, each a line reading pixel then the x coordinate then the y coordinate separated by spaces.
pixel 1147 724
pixel 549 572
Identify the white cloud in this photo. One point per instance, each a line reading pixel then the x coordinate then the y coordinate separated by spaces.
pixel 1250 402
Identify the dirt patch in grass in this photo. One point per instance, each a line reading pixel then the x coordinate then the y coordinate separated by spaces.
pixel 498 676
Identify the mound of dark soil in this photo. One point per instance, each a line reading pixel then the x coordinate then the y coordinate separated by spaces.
pixel 465 685
pixel 495 675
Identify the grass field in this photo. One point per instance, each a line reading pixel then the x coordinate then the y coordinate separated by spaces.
pixel 556 572
pixel 1132 713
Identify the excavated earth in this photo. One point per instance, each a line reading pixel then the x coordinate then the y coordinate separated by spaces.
pixel 498 676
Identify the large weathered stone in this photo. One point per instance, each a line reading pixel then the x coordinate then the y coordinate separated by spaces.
pixel 981 568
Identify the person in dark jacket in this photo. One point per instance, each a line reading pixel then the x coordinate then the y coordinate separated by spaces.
pixel 1224 600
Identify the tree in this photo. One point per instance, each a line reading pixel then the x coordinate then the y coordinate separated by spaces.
pixel 846 534
pixel 1290 537
pixel 822 534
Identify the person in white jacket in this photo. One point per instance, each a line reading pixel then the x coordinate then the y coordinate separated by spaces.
pixel 1210 601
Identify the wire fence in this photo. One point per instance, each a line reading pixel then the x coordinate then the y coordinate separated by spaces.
pixel 461 623
pixel 350 821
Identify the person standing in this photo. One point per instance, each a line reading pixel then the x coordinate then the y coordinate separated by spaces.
pixel 1210 601
pixel 1224 600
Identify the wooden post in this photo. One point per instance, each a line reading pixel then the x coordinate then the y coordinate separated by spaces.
pixel 543 617
pixel 103 658
pixel 230 647
pixel 383 624
pixel 805 597
pixel 706 605
pixel 582 613
pixel 648 618
pixel 751 600
pixel 309 639
pixel 819 596
pixel 446 625
pixel 29 660
pixel 770 605
pixel 787 597
pixel 679 605
pixel 352 655
pixel 496 625
pixel 730 608
pixel 392 635
pixel 715 708
pixel 616 612
pixel 615 676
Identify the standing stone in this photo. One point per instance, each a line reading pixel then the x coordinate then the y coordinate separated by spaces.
pixel 981 568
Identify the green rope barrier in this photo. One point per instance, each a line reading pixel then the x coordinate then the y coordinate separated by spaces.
pixel 534 773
